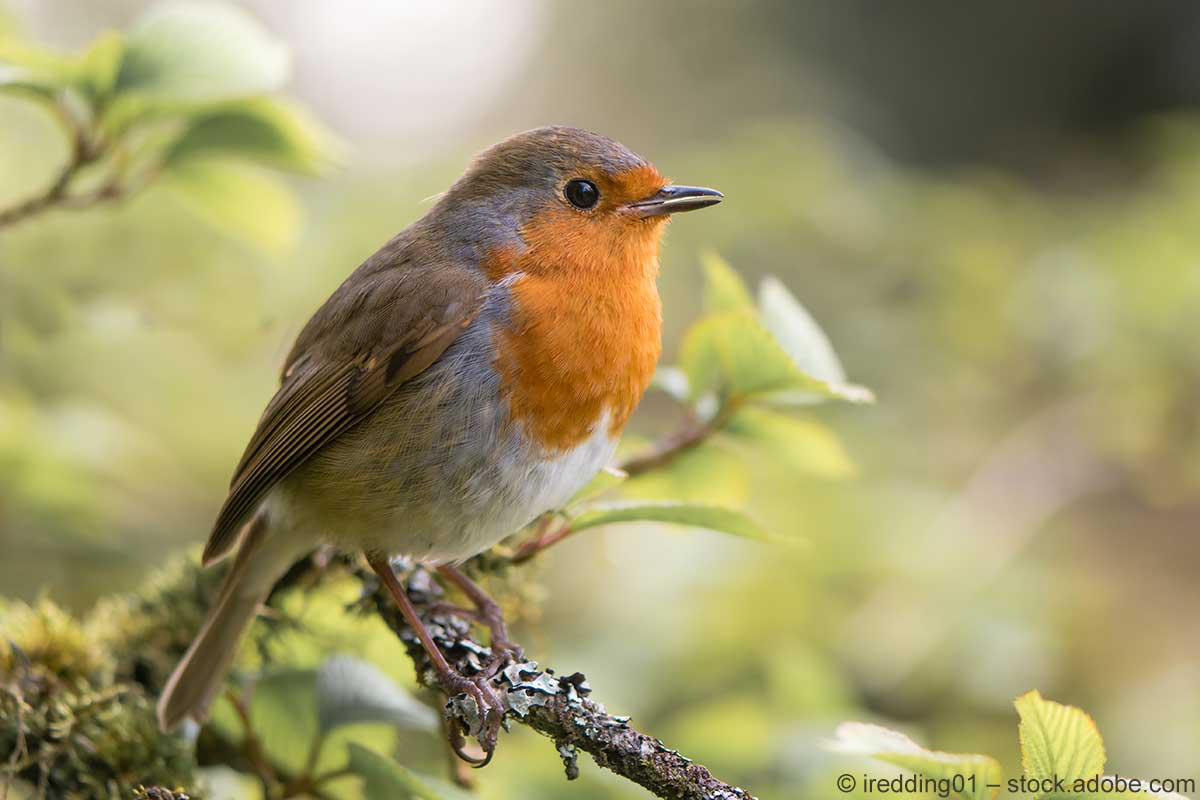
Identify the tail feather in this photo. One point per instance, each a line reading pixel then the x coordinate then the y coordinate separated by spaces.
pixel 260 561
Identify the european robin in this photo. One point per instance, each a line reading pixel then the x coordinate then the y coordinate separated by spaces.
pixel 471 375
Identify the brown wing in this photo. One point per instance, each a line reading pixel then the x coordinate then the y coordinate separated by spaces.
pixel 383 326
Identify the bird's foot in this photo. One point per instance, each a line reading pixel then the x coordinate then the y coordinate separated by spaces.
pixel 488 613
pixel 476 709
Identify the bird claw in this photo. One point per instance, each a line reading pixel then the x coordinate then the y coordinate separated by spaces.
pixel 504 654
pixel 483 722
pixel 504 651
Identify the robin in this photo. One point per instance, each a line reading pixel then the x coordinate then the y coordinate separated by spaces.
pixel 471 375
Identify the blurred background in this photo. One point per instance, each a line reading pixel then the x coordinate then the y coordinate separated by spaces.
pixel 994 212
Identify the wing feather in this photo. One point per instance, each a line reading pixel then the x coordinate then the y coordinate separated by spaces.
pixel 355 352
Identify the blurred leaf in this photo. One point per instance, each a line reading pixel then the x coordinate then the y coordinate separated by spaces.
pixel 200 52
pixel 803 340
pixel 384 779
pixel 283 710
pixel 892 747
pixel 269 131
pixel 28 68
pixel 724 289
pixel 1058 740
pixel 350 690
pixel 798 445
pixel 21 79
pixel 100 64
pixel 606 479
pixel 239 199
pixel 672 381
pixel 798 333
pixel 17 52
pixel 694 515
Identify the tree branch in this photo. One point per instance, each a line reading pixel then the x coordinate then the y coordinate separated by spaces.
pixel 86 148
pixel 693 433
pixel 556 706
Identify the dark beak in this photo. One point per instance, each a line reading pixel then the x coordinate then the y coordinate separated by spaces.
pixel 674 199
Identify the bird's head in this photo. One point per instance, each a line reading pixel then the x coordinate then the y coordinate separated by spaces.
pixel 564 199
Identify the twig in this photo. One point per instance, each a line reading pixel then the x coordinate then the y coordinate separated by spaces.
pixel 86 148
pixel 544 537
pixel 693 432
pixel 251 746
pixel 558 707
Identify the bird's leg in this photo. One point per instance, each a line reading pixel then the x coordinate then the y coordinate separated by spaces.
pixel 504 650
pixel 491 708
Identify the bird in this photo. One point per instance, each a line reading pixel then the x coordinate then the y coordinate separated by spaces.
pixel 468 377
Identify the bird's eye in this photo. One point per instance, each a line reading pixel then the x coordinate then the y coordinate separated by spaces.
pixel 581 193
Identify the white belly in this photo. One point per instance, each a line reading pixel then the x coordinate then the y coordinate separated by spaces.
pixel 489 493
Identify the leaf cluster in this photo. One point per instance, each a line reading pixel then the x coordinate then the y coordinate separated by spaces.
pixel 187 97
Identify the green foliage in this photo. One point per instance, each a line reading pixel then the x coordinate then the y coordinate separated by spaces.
pixel 271 132
pixel 1062 755
pixel 351 691
pixel 196 53
pixel 222 192
pixel 1058 740
pixel 187 95
pixel 384 779
pixel 692 515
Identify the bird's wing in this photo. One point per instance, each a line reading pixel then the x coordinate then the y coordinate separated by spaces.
pixel 381 328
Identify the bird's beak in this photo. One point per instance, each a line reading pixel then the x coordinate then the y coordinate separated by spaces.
pixel 674 199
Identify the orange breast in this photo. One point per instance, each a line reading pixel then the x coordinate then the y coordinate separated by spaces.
pixel 587 325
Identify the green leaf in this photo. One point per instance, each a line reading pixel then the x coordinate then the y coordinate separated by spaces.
pixel 1058 740
pixel 269 131
pixel 384 779
pixel 724 289
pixel 731 353
pixel 979 772
pixel 100 64
pixel 201 52
pixel 798 445
pixel 350 690
pixel 694 515
pixel 20 53
pixel 283 710
pixel 606 479
pixel 26 81
pixel 34 70
pixel 803 340
pixel 239 199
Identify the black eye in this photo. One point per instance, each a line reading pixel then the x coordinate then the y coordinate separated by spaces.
pixel 581 193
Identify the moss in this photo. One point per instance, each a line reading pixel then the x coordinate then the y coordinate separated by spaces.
pixel 67 727
pixel 148 631
pixel 48 638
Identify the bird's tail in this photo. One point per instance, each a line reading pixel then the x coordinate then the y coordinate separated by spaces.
pixel 260 562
